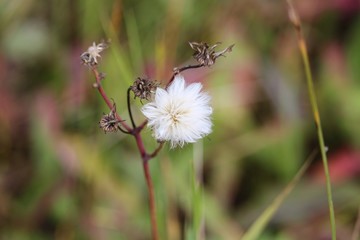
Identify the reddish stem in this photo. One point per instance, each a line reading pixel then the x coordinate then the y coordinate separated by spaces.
pixel 140 145
pixel 179 70
pixel 157 150
pixel 145 160
pixel 150 187
pixel 106 99
pixel 142 125
pixel 144 155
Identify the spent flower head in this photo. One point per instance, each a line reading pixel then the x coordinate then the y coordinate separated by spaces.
pixel 144 88
pixel 89 57
pixel 206 54
pixel 180 114
pixel 109 122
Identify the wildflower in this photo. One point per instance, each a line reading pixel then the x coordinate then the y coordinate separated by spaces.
pixel 205 54
pixel 109 122
pixel 143 88
pixel 90 56
pixel 180 114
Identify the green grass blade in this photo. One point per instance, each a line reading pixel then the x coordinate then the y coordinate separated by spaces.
pixel 294 18
pixel 134 41
pixel 259 225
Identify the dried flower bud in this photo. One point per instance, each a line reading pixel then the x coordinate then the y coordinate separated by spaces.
pixel 143 88
pixel 293 16
pixel 109 122
pixel 93 52
pixel 205 54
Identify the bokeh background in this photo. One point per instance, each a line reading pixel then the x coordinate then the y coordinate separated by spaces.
pixel 61 177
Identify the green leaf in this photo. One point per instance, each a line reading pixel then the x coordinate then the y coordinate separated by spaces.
pixel 259 225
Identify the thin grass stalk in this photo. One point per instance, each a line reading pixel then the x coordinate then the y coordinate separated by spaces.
pixel 314 106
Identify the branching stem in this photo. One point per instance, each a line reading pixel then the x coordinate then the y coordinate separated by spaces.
pixel 135 131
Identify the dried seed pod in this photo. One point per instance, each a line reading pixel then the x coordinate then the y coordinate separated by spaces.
pixel 143 88
pixel 89 57
pixel 206 54
pixel 109 122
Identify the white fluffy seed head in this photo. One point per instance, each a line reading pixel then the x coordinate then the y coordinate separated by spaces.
pixel 180 114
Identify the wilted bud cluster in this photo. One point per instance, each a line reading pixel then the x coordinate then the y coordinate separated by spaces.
pixel 143 88
pixel 206 54
pixel 109 122
pixel 93 52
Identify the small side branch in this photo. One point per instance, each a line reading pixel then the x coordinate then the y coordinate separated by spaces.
pixel 123 131
pixel 129 108
pixel 179 70
pixel 156 151
pixel 142 125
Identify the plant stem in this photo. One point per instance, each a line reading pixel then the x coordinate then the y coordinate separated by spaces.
pixel 135 131
pixel 305 58
pixel 157 150
pixel 129 108
pixel 317 120
pixel 122 130
pixel 154 232
pixel 142 125
pixel 106 99
pixel 179 70
pixel 145 161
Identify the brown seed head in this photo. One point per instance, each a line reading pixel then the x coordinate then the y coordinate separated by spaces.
pixel 206 54
pixel 109 122
pixel 144 88
pixel 89 57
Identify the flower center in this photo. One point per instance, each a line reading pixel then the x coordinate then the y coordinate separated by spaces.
pixel 175 114
pixel 174 117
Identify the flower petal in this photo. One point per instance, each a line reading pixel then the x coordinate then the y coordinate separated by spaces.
pixel 181 114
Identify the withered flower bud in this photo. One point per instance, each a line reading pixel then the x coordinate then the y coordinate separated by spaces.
pixel 206 54
pixel 109 122
pixel 294 17
pixel 89 57
pixel 143 88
